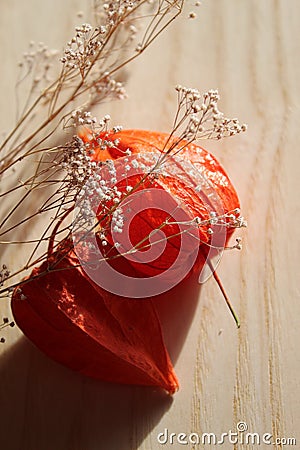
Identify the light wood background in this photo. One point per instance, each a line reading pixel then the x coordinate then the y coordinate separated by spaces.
pixel 249 50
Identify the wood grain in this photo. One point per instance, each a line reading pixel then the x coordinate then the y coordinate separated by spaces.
pixel 249 50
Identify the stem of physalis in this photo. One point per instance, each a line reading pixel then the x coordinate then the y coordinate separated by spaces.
pixel 216 277
pixel 234 315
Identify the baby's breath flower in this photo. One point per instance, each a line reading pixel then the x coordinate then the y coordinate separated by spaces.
pixel 198 116
pixel 4 274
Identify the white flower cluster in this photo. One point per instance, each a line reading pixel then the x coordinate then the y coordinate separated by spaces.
pixel 94 127
pixel 98 203
pixel 201 118
pixel 235 219
pixel 81 118
pixel 82 48
pixel 77 163
pixel 37 68
pixel 107 88
pixel 231 219
pixel 4 274
pixel 117 220
pixel 117 10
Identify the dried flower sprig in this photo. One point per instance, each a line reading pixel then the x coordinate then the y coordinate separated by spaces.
pixel 92 58
pixel 62 173
pixel 198 117
pixel 81 171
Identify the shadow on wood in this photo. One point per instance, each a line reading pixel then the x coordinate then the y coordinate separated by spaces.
pixel 176 310
pixel 45 406
pixel 48 407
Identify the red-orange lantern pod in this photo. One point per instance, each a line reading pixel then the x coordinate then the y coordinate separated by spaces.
pixel 101 332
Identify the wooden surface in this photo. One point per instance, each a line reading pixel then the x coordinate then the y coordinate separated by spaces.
pixel 249 50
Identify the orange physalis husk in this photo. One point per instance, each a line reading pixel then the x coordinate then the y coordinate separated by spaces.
pixel 92 331
pixel 103 335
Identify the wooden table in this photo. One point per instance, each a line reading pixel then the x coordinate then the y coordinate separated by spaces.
pixel 249 50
